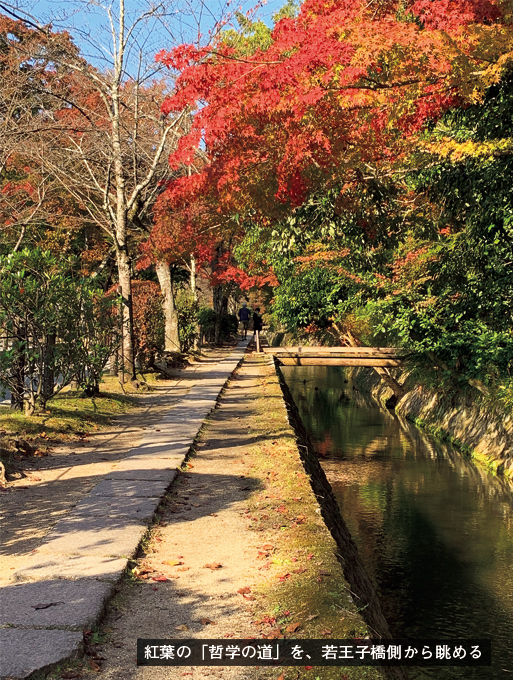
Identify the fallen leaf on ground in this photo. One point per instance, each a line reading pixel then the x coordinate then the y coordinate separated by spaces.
pixel 309 556
pixel 173 563
pixel 323 572
pixel 182 627
pixel 249 597
pixel 308 668
pixel 326 631
pixel 284 577
pixel 282 675
pixel 300 570
pixel 246 589
pixel 183 569
pixel 160 578
pixel 312 616
pixel 205 622
pixel 213 565
pixel 68 675
pixel 95 666
pixel 229 635
pixel 292 627
pixel 267 546
pixel 274 634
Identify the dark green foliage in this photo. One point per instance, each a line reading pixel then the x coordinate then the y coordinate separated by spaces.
pixel 56 327
pixel 187 309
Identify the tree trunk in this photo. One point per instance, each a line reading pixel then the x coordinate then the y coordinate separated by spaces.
pixel 18 372
pixel 48 373
pixel 172 338
pixel 383 373
pixel 196 344
pixel 193 278
pixel 217 298
pixel 127 368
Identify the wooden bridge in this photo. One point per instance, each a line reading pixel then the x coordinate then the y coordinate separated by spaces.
pixel 375 357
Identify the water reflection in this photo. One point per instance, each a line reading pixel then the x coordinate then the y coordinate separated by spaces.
pixel 434 530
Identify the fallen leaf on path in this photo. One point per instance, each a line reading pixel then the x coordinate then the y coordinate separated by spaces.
pixel 267 546
pixel 249 597
pixel 46 605
pixel 206 622
pixel 183 569
pixel 284 577
pixel 213 565
pixel 173 563
pixel 308 668
pixel 274 634
pixel 182 627
pixel 229 635
pixel 95 666
pixel 160 578
pixel 213 514
pixel 292 627
pixel 244 590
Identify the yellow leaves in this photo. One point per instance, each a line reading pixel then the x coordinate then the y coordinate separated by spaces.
pixel 459 151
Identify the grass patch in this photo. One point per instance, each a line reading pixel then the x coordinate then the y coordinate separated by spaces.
pixel 303 593
pixel 70 414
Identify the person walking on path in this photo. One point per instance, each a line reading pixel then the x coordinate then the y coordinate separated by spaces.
pixel 244 319
pixel 257 327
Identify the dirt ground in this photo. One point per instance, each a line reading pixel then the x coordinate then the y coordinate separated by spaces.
pixel 238 551
pixel 32 505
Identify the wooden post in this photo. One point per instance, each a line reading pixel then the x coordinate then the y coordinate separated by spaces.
pixel 257 339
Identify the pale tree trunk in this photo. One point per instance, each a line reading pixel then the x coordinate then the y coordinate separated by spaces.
pixel 126 369
pixel 172 338
pixel 197 340
pixel 193 278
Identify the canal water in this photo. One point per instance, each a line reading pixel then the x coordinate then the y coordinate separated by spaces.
pixel 435 531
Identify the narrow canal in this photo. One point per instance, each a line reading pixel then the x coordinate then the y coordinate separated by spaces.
pixel 435 531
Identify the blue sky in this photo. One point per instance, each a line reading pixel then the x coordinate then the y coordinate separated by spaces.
pixel 181 21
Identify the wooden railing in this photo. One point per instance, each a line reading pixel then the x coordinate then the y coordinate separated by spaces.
pixel 384 357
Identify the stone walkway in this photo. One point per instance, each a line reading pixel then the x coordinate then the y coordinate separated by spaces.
pixel 63 586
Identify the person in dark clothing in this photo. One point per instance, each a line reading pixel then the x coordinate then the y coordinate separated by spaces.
pixel 257 327
pixel 244 319
pixel 257 320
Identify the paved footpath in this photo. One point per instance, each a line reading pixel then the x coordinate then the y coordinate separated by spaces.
pixel 63 586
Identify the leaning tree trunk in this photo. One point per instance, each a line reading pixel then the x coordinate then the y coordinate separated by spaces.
pixel 172 338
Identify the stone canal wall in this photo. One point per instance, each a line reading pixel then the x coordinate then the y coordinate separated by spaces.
pixel 471 425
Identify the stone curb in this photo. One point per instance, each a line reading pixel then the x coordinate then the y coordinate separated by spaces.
pixel 66 582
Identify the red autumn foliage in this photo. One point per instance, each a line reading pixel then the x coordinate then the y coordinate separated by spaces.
pixel 344 84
